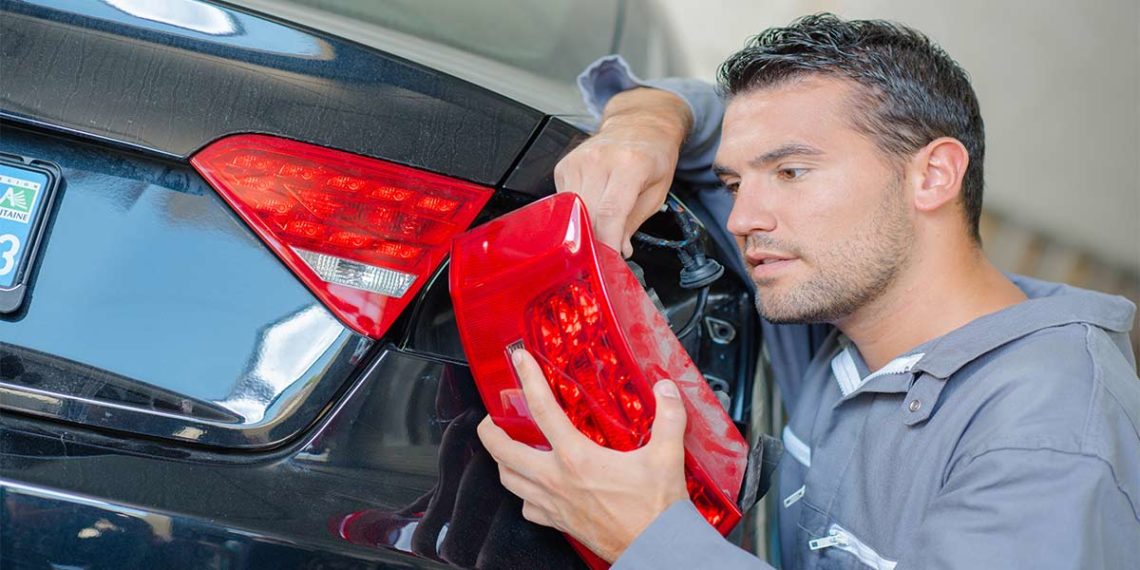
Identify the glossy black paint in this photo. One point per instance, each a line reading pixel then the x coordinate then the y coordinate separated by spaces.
pixel 352 492
pixel 90 68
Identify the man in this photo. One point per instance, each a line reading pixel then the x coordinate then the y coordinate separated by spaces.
pixel 953 419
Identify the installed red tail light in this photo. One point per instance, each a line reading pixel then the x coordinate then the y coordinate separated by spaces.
pixel 536 279
pixel 361 233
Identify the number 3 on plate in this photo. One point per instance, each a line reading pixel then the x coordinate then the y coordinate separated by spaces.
pixel 8 256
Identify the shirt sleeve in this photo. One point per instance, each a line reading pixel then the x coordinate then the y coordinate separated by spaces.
pixel 1028 508
pixel 681 538
pixel 611 75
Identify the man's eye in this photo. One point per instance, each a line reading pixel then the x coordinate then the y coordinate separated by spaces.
pixel 732 187
pixel 790 173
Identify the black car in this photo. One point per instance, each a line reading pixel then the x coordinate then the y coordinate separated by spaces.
pixel 184 384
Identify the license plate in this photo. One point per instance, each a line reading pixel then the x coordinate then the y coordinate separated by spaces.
pixel 27 193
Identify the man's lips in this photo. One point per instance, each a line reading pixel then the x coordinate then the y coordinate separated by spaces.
pixel 764 257
pixel 766 264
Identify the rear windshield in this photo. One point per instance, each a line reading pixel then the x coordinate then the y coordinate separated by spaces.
pixel 552 38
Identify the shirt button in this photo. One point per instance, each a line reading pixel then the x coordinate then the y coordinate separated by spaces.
pixel 915 405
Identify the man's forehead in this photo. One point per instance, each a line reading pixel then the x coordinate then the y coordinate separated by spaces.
pixel 807 111
pixel 819 94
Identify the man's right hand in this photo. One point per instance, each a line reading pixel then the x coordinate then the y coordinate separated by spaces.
pixel 623 173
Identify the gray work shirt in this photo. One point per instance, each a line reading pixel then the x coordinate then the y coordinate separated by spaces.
pixel 1011 442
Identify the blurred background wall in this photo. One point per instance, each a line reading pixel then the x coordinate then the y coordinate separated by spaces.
pixel 1059 85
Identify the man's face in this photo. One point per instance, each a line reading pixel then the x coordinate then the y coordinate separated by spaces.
pixel 821 215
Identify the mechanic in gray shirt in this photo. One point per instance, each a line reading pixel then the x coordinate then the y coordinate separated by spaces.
pixel 953 417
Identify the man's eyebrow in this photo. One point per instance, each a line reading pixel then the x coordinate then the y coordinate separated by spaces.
pixel 721 170
pixel 790 149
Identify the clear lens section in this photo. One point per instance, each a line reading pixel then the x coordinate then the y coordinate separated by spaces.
pixel 358 275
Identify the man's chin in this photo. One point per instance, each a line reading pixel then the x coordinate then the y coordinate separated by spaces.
pixel 782 320
pixel 780 317
pixel 782 314
pixel 774 311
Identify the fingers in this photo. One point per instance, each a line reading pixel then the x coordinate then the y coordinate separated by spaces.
pixel 611 212
pixel 551 420
pixel 668 431
pixel 567 175
pixel 607 208
pixel 616 215
pixel 536 515
pixel 622 174
pixel 520 457
pixel 648 203
pixel 519 485
pixel 518 463
pixel 530 492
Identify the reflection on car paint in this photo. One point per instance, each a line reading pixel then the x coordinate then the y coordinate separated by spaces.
pixel 287 351
pixel 467 519
pixel 399 450
pixel 202 21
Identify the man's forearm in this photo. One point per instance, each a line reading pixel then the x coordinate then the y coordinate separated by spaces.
pixel 652 108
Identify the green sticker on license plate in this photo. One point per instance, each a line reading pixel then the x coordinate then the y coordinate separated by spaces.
pixel 26 192
pixel 19 198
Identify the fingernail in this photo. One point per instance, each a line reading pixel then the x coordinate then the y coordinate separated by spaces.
pixel 666 389
pixel 516 357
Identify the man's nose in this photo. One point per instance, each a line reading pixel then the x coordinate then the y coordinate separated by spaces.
pixel 751 212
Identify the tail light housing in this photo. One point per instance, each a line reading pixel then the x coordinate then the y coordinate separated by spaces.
pixel 362 234
pixel 536 279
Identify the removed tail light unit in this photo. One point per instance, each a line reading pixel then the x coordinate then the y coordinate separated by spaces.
pixel 535 279
pixel 362 234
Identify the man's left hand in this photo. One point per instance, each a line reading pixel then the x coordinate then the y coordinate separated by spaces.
pixel 602 497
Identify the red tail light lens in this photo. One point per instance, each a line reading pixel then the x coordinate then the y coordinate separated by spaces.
pixel 535 279
pixel 361 233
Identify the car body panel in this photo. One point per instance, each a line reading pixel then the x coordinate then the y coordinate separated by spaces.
pixel 122 78
pixel 378 450
pixel 546 92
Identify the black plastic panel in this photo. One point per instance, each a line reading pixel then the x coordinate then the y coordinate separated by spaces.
pixel 534 173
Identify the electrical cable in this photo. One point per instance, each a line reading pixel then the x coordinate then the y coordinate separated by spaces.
pixel 698 312
pixel 697 269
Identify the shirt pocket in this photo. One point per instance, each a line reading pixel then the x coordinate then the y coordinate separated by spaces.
pixel 841 549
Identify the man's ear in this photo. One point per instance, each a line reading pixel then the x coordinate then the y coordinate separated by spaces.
pixel 937 171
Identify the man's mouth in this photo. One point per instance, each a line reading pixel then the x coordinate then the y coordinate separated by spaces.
pixel 766 265
pixel 766 258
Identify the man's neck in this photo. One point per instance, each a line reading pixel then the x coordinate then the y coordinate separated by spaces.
pixel 926 301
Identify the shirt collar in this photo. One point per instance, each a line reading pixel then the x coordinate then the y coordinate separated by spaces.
pixel 851 372
pixel 1049 305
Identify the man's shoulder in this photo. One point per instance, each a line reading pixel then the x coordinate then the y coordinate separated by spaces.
pixel 1066 388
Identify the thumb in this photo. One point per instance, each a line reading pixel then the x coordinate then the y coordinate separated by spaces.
pixel 669 421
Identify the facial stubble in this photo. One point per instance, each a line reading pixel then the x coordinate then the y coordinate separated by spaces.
pixel 849 275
